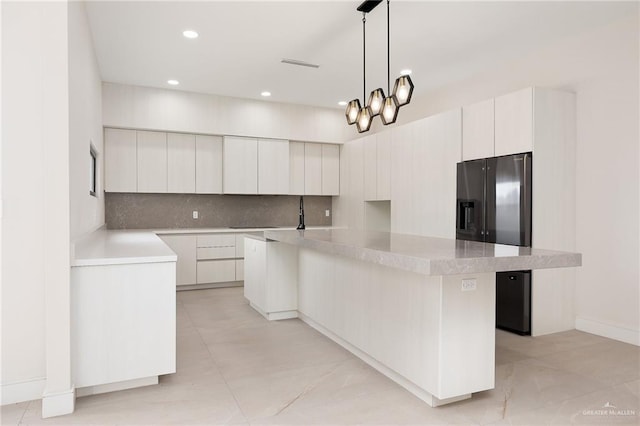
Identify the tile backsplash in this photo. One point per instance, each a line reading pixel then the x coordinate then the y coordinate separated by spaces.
pixel 146 211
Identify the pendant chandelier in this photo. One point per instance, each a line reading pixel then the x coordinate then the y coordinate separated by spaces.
pixel 377 104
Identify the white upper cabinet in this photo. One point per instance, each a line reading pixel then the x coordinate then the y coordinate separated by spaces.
pixel 478 130
pixel 514 122
pixel 377 166
pixel 312 169
pixel 181 163
pixel 296 168
pixel 273 166
pixel 208 164
pixel 370 168
pixel 424 175
pixel 120 160
pixel 330 169
pixel 152 161
pixel 159 162
pixel 383 165
pixel 240 165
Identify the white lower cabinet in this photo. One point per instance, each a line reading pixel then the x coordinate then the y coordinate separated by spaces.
pixel 207 258
pixel 123 325
pixel 270 278
pixel 185 247
pixel 216 271
pixel 239 269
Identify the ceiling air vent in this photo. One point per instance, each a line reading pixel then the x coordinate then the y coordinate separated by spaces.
pixel 299 63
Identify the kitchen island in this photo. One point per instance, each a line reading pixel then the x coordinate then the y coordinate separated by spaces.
pixel 420 310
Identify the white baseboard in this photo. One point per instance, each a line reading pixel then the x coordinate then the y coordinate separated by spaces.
pixel 27 390
pixel 112 387
pixel 611 331
pixel 58 403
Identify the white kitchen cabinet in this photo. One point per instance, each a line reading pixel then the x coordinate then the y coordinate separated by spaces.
pixel 370 153
pixel 152 161
pixel 216 271
pixel 514 122
pixel 120 172
pixel 478 130
pixel 123 325
pixel 330 169
pixel 216 258
pixel 296 168
pixel 240 165
pixel 185 247
pixel 208 164
pixel 239 245
pixel 425 153
pixel 353 183
pixel 270 278
pixel 240 268
pixel 312 169
pixel 181 163
pixel 377 166
pixel 383 167
pixel 273 166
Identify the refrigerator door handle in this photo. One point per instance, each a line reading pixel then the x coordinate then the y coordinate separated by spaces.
pixel 526 211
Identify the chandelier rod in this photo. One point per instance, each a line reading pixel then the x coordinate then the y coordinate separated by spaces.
pixel 388 54
pixel 364 58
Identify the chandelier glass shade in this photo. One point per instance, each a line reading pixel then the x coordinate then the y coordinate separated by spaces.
pixel 353 108
pixel 389 110
pixel 375 102
pixel 363 123
pixel 403 89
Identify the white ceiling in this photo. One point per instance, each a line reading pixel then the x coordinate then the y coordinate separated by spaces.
pixel 241 43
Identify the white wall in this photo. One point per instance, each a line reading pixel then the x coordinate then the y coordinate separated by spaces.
pixel 85 125
pixel 601 67
pixel 50 109
pixel 23 244
pixel 173 110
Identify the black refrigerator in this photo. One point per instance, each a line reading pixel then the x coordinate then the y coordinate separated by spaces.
pixel 494 206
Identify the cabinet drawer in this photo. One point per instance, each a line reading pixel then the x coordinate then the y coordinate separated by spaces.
pixel 216 271
pixel 239 269
pixel 239 245
pixel 205 253
pixel 217 240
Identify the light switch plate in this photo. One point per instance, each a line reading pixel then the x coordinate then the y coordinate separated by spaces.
pixel 327 213
pixel 469 284
pixel 195 214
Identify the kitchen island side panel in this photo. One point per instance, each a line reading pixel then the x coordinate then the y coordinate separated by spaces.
pixel 424 328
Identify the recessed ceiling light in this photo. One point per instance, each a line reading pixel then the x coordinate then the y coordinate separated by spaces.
pixel 266 94
pixel 342 103
pixel 173 82
pixel 405 72
pixel 190 34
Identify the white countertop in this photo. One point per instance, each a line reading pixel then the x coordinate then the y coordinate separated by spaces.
pixel 113 247
pixel 425 255
pixel 105 247
pixel 170 231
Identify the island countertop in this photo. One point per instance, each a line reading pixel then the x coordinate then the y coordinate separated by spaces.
pixel 425 255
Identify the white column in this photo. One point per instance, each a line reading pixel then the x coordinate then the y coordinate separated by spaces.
pixel 59 394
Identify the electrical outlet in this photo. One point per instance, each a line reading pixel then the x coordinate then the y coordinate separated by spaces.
pixel 469 284
pixel 195 214
pixel 327 213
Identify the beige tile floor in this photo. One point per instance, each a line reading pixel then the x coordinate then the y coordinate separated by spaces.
pixel 236 368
